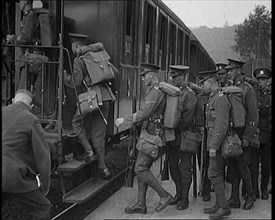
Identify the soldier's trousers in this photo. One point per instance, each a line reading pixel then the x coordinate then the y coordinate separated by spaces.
pixel 180 166
pixel 25 83
pixel 260 156
pixel 216 176
pixel 94 130
pixel 146 178
pixel 238 169
pixel 36 203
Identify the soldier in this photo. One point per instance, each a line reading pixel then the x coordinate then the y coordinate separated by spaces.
pixel 262 154
pixel 26 164
pixel 29 35
pixel 217 123
pixel 238 167
pixel 222 75
pixel 96 131
pixel 152 116
pixel 180 163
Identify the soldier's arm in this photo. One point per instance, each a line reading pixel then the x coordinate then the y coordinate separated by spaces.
pixel 41 153
pixel 188 110
pixel 26 34
pixel 252 118
pixel 152 100
pixel 222 107
pixel 78 74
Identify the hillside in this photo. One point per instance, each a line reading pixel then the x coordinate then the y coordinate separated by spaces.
pixel 217 41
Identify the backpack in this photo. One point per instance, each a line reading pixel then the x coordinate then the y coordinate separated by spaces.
pixel 237 112
pixel 45 25
pixel 98 66
pixel 172 111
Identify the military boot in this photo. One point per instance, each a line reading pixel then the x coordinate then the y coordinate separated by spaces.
pixel 183 204
pixel 137 208
pixel 163 202
pixel 211 209
pixel 220 213
pixel 264 195
pixel 233 203
pixel 175 200
pixel 89 153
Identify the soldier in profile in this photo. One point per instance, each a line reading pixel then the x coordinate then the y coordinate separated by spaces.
pixel 152 116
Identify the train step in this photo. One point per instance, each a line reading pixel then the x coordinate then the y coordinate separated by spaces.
pixel 85 190
pixel 73 165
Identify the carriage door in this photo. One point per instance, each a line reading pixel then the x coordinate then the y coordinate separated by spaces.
pixel 128 70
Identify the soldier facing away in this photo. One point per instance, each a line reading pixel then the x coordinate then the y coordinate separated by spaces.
pixel 152 116
pixel 238 167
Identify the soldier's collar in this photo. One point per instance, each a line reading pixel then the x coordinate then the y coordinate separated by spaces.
pixel 183 85
pixel 214 92
pixel 240 79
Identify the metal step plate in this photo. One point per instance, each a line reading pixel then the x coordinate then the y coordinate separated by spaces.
pixel 73 165
pixel 84 191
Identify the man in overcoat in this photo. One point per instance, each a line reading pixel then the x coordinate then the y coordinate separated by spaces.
pixel 26 164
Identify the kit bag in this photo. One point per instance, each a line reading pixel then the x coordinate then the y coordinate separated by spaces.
pixel 149 144
pixel 237 110
pixel 35 62
pixel 231 146
pixel 172 112
pixel 98 66
pixel 190 141
pixel 88 101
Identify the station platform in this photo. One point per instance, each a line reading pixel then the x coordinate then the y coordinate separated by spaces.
pixel 113 207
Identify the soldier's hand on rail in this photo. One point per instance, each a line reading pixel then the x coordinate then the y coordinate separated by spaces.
pixel 119 121
pixel 9 38
pixel 212 152
pixel 245 143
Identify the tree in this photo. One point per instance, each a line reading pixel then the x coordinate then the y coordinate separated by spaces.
pixel 253 37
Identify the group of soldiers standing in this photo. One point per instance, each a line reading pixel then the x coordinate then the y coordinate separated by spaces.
pixel 254 135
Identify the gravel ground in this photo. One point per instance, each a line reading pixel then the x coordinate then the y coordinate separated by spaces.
pixel 116 161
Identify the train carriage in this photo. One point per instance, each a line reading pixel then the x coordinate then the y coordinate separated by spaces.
pixel 133 32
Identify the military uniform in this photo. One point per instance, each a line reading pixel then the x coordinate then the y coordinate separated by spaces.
pixel 217 123
pixel 24 155
pixel 94 126
pixel 202 100
pixel 152 116
pixel 262 154
pixel 238 167
pixel 180 163
pixel 30 35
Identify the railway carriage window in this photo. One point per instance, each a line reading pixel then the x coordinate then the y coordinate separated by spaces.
pixel 149 28
pixel 130 28
pixel 162 41
pixel 172 44
pixel 186 49
pixel 180 48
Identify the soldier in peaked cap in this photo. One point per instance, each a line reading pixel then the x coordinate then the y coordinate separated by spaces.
pixel 180 162
pixel 152 116
pixel 217 123
pixel 263 154
pixel 238 167
pixel 222 74
pixel 96 130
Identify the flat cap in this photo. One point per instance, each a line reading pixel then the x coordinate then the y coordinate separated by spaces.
pixel 148 67
pixel 262 73
pixel 77 37
pixel 178 69
pixel 24 91
pixel 234 63
pixel 204 75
